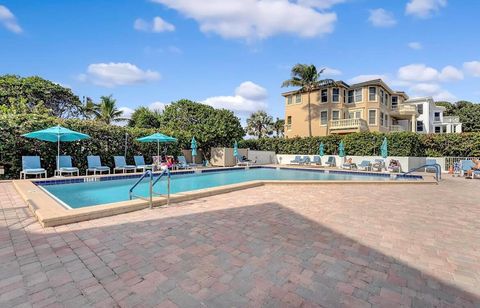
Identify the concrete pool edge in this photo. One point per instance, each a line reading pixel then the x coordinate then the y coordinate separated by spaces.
pixel 50 213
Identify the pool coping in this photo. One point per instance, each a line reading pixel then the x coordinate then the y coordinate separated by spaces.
pixel 50 213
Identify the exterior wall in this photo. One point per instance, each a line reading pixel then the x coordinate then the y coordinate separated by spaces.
pixel 188 156
pixel 223 157
pixel 262 157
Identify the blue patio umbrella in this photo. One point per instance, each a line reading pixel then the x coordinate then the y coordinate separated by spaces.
pixel 193 146
pixel 57 134
pixel 384 148
pixel 341 149
pixel 235 150
pixel 321 150
pixel 158 138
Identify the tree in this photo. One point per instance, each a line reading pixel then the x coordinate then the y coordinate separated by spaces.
pixel 211 127
pixel 308 79
pixel 106 111
pixel 88 109
pixel 36 93
pixel 145 118
pixel 279 127
pixel 467 112
pixel 260 124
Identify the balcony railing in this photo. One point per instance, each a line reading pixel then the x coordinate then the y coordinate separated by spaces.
pixel 404 108
pixel 451 119
pixel 397 128
pixel 349 124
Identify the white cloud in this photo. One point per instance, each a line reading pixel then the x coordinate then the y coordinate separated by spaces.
pixel 257 19
pixel 249 97
pixel 157 25
pixel 363 78
pixel 431 89
pixel 127 112
pixel 415 45
pixel 157 106
pixel 117 74
pixel 382 18
pixel 331 72
pixel 9 20
pixel 424 8
pixel 320 4
pixel 472 68
pixel 423 73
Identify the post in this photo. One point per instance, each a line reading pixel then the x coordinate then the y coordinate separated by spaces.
pixel 126 137
pixel 151 189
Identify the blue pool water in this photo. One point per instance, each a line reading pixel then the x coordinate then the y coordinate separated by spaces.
pixel 84 194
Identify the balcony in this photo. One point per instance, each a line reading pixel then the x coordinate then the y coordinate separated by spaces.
pixel 348 126
pixel 397 128
pixel 404 111
pixel 451 119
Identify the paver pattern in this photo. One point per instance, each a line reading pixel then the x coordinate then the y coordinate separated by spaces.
pixel 283 246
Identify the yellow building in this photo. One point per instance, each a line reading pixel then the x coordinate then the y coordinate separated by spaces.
pixel 340 108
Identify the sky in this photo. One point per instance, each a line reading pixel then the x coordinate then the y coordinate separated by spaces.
pixel 235 53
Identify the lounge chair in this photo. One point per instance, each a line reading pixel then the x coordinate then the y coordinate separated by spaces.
pixel 365 165
pixel 304 160
pixel 296 160
pixel 31 166
pixel 121 164
pixel 182 163
pixel 476 173
pixel 243 162
pixel 95 165
pixel 466 166
pixel 431 165
pixel 331 162
pixel 65 166
pixel 394 166
pixel 140 163
pixel 379 165
pixel 317 160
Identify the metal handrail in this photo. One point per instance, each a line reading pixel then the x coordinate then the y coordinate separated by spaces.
pixel 130 191
pixel 167 173
pixel 438 170
pixel 148 172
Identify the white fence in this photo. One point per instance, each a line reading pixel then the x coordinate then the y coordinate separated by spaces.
pixel 262 157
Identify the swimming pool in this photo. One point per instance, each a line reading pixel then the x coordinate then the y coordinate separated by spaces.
pixel 78 193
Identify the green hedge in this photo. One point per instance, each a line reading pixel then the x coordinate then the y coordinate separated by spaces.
pixel 399 144
pixel 106 141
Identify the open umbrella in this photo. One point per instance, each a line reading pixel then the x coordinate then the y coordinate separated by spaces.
pixel 235 150
pixel 57 134
pixel 193 146
pixel 321 150
pixel 341 149
pixel 158 138
pixel 384 148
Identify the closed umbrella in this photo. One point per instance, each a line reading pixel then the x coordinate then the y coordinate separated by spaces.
pixel 384 148
pixel 235 150
pixel 158 138
pixel 193 146
pixel 321 150
pixel 341 149
pixel 57 134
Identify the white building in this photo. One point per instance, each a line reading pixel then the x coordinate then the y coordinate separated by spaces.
pixel 430 117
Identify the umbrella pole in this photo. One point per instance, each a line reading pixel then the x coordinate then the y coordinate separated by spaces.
pixel 58 153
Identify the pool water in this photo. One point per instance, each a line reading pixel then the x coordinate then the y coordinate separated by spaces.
pixel 77 195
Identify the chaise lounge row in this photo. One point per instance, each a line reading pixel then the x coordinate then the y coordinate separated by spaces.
pixel 377 165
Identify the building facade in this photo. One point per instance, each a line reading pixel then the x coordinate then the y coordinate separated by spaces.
pixel 372 106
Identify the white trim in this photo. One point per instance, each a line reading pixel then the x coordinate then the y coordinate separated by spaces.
pixel 320 120
pixel 376 116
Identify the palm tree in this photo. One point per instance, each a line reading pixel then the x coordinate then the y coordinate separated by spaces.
pixel 260 124
pixel 308 79
pixel 106 111
pixel 279 127
pixel 88 108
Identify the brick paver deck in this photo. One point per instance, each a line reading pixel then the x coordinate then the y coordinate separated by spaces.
pixel 331 246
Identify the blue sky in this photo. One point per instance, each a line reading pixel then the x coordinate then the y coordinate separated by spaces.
pixel 236 53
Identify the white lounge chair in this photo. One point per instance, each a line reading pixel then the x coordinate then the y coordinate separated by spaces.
pixel 121 164
pixel 31 166
pixel 95 165
pixel 65 166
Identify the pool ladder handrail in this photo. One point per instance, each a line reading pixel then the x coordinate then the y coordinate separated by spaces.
pixel 438 170
pixel 151 185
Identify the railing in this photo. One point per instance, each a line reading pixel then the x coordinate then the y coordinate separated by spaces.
pixel 451 119
pixel 438 170
pixel 450 161
pixel 348 124
pixel 397 128
pixel 405 108
pixel 152 183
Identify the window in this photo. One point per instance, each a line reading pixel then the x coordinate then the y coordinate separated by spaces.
pixel 436 116
pixel 335 115
pixel 438 129
pixel 382 97
pixel 298 98
pixel 355 114
pixel 394 102
pixel 372 94
pixel 387 99
pixel 324 117
pixel 381 119
pixel 420 109
pixel 358 95
pixel 324 95
pixel 386 120
pixel 335 95
pixel 372 117
pixel 289 120
pixel 419 125
pixel 289 100
pixel 350 96
pixel 344 96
